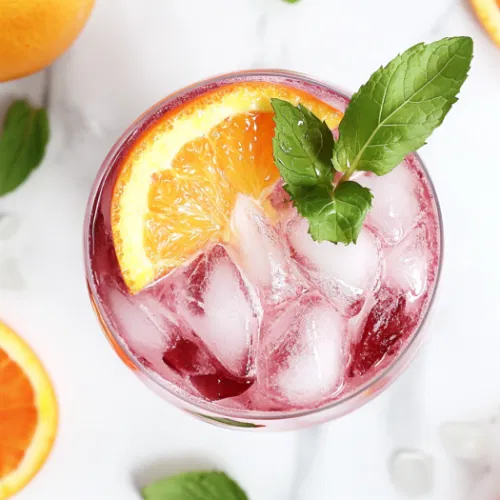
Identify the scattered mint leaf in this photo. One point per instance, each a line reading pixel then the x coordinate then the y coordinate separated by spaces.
pixel 292 1
pixel 394 113
pixel 389 117
pixel 22 144
pixel 202 485
pixel 302 145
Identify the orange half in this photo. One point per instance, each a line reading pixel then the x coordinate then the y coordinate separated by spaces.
pixel 28 413
pixel 488 13
pixel 178 184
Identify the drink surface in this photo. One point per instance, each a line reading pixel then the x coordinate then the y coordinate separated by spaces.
pixel 209 280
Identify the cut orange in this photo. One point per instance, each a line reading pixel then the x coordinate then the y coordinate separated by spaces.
pixel 178 184
pixel 28 413
pixel 488 13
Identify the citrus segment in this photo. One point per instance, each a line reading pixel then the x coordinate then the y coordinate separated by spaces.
pixel 242 142
pixel 178 183
pixel 186 205
pixel 488 13
pixel 28 413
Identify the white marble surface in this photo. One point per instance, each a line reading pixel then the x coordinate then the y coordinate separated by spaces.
pixel 114 433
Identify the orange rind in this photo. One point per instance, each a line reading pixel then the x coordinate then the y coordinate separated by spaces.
pixel 488 13
pixel 28 413
pixel 178 184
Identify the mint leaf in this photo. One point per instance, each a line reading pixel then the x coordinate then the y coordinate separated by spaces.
pixel 202 485
pixel 302 145
pixel 333 216
pixel 401 104
pixel 22 144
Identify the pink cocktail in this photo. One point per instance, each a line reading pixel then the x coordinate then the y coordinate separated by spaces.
pixel 260 326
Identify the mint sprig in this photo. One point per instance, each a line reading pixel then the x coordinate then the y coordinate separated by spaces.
pixel 390 116
pixel 199 485
pixel 22 144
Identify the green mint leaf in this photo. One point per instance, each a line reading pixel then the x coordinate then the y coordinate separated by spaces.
pixel 22 144
pixel 202 485
pixel 401 104
pixel 302 145
pixel 337 216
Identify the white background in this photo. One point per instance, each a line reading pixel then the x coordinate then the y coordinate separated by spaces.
pixel 114 434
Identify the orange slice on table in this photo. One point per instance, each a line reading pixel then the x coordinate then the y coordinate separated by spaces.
pixel 178 184
pixel 488 13
pixel 28 413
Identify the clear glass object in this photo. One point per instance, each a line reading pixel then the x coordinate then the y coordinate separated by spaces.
pixel 377 294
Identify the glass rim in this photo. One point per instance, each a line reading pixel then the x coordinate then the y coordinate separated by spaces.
pixel 207 406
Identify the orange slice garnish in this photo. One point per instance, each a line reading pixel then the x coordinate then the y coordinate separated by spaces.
pixel 28 413
pixel 178 184
pixel 488 13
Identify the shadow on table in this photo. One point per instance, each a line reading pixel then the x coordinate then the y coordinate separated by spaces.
pixel 161 468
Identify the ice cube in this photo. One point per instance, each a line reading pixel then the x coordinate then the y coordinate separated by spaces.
pixel 9 224
pixel 345 274
pixel 222 308
pixel 145 332
pixel 164 344
pixel 395 206
pixel 468 441
pixel 406 263
pixel 264 258
pixel 301 355
pixel 412 472
pixel 384 329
